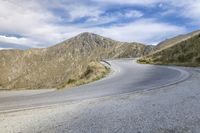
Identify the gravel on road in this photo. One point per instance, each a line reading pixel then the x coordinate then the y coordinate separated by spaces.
pixel 171 109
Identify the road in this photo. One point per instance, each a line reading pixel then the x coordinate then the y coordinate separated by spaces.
pixel 127 76
pixel 134 98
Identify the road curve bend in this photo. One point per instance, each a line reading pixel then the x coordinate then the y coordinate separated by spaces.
pixel 127 76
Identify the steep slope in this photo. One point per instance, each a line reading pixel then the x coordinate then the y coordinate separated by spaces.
pixel 72 62
pixel 175 40
pixel 185 51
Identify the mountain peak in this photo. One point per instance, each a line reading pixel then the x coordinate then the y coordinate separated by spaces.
pixel 62 63
pixel 86 34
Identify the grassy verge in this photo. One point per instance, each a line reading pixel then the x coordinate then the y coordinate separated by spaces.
pixel 94 71
pixel 185 53
pixel 151 61
pixel 144 61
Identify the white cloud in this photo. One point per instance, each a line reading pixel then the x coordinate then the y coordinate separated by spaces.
pixel 133 14
pixel 39 26
pixel 5 48
pixel 183 8
pixel 15 40
pixel 27 19
pixel 146 31
pixel 113 17
pixel 78 11
pixel 92 21
pixel 135 2
pixel 192 11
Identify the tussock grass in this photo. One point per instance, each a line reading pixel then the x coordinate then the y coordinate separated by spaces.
pixel 63 64
pixel 95 71
pixel 185 53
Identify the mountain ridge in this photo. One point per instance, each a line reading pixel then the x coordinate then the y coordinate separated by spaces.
pixel 181 50
pixel 69 63
pixel 175 40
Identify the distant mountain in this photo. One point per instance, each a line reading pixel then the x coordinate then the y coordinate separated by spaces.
pixel 181 50
pixel 72 62
pixel 12 46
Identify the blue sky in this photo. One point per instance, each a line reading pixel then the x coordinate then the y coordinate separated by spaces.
pixel 42 23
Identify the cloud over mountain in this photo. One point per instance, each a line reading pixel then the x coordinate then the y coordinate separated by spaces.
pixel 43 23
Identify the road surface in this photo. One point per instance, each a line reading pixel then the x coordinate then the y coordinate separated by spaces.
pixel 134 98
pixel 127 76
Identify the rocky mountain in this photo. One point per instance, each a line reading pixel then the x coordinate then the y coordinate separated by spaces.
pixel 175 40
pixel 72 62
pixel 181 50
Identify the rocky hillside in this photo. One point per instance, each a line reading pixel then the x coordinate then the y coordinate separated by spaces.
pixel 175 40
pixel 66 63
pixel 182 50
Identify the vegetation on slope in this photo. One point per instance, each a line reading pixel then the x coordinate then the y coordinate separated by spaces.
pixel 94 71
pixel 64 64
pixel 185 53
pixel 175 40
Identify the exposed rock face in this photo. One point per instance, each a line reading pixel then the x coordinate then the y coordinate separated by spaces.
pixel 53 66
pixel 182 50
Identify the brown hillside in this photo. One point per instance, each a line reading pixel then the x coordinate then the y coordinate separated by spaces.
pixel 64 63
pixel 185 52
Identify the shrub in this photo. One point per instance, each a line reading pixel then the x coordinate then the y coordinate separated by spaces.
pixel 197 59
pixel 189 56
pixel 70 81
pixel 181 58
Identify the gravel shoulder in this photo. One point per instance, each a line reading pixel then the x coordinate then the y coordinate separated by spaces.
pixel 11 93
pixel 169 109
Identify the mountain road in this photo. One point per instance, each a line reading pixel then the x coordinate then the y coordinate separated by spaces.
pixel 133 98
pixel 126 76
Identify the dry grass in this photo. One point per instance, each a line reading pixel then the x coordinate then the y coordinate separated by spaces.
pixel 94 71
pixel 185 53
pixel 62 64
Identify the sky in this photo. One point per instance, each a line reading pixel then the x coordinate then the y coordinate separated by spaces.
pixel 42 23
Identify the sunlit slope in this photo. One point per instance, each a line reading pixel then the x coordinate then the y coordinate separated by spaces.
pixel 185 52
pixel 65 64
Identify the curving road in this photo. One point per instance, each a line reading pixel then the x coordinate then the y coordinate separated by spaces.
pixel 127 76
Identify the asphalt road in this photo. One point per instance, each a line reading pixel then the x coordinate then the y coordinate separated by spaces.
pixel 127 76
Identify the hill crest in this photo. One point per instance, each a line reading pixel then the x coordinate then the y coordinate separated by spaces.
pixel 63 63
